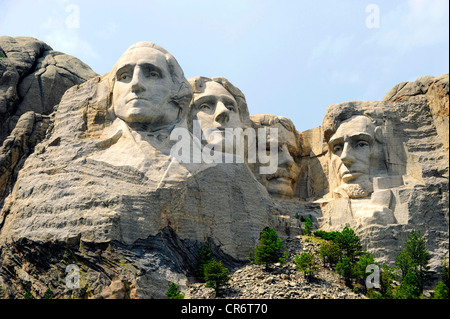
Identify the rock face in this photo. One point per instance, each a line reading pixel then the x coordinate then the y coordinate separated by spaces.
pixel 116 182
pixel 33 78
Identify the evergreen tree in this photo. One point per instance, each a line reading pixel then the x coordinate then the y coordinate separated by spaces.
pixel 415 247
pixel 308 226
pixel 413 264
pixel 409 287
pixel 350 243
pixel 270 249
pixel 307 264
pixel 442 287
pixel 440 291
pixel 330 253
pixel 346 269
pixel 216 275
pixel 174 292
pixel 365 260
pixel 204 258
pixel 48 294
pixel 387 277
pixel 403 263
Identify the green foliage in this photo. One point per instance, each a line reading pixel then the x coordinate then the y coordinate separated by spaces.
pixel 330 253
pixel 174 292
pixel 346 269
pixel 413 264
pixel 326 235
pixel 270 249
pixel 28 295
pixel 204 258
pixel 307 264
pixel 48 294
pixel 415 246
pixel 442 287
pixel 365 260
pixel 387 277
pixel 403 262
pixel 372 294
pixel 216 275
pixel 350 243
pixel 409 288
pixel 308 226
pixel 441 291
pixel 444 271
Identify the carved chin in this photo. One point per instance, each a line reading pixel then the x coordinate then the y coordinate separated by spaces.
pixel 280 187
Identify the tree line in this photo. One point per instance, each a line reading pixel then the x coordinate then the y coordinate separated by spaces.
pixel 340 252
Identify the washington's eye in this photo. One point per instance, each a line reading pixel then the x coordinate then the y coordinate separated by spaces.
pixel 154 74
pixel 361 144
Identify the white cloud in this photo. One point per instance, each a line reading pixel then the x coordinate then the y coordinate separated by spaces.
pixel 68 41
pixel 413 24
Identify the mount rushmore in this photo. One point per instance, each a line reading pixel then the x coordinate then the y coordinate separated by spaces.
pixel 129 173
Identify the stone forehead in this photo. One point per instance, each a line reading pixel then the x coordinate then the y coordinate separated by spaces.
pixel 213 88
pixel 355 124
pixel 137 53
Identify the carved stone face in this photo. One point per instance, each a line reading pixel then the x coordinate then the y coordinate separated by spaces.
pixel 142 88
pixel 355 150
pixel 283 182
pixel 216 109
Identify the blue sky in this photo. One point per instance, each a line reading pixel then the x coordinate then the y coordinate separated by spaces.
pixel 290 58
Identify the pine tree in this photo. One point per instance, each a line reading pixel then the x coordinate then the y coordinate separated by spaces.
pixel 307 264
pixel 330 253
pixel 271 249
pixel 350 243
pixel 415 247
pixel 346 269
pixel 308 226
pixel 442 287
pixel 174 292
pixel 387 278
pixel 216 275
pixel 413 263
pixel 365 260
pixel 204 258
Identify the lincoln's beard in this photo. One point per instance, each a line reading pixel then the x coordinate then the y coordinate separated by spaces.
pixel 360 190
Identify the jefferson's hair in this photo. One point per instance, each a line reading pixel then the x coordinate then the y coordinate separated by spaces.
pixel 199 84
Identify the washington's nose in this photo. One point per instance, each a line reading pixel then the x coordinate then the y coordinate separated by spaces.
pixel 285 158
pixel 222 113
pixel 136 81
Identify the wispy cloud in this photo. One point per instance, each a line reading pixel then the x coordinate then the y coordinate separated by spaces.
pixel 413 24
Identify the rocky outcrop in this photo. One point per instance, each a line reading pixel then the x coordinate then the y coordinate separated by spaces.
pixel 411 192
pixel 94 180
pixel 284 281
pixel 33 77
